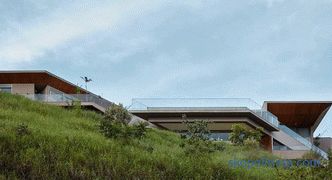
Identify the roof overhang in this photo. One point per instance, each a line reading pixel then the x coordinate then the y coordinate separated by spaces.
pixel 201 113
pixel 300 114
pixel 39 77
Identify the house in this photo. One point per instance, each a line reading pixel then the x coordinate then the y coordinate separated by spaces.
pixel 288 126
pixel 47 87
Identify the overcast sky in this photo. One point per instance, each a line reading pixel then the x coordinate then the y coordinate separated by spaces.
pixel 263 49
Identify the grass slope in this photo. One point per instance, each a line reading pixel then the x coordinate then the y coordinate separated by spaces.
pixel 66 144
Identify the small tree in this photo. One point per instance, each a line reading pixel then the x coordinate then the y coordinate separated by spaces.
pixel 198 130
pixel 117 113
pixel 115 124
pixel 240 134
pixel 197 140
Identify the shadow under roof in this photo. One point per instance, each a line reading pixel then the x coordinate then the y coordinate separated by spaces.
pixel 299 114
pixel 39 78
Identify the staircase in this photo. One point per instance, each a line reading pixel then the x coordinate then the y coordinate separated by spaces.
pixel 304 144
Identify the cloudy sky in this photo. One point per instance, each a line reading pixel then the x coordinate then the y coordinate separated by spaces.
pixel 260 49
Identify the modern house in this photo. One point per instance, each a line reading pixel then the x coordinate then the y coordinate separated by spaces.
pixel 288 125
pixel 47 87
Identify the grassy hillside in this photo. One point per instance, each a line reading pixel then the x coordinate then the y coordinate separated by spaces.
pixel 47 142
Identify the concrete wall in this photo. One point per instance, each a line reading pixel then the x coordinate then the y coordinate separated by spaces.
pixel 135 120
pixel 23 88
pixel 217 124
pixel 288 140
pixel 51 90
pixel 325 143
pixel 289 154
pixel 221 124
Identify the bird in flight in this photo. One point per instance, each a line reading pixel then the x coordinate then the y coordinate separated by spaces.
pixel 86 79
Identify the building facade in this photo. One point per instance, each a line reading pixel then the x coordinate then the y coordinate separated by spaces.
pixel 288 126
pixel 47 87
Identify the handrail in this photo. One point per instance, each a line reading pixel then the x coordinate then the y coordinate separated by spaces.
pixel 69 98
pixel 143 104
pixel 303 141
pixel 267 116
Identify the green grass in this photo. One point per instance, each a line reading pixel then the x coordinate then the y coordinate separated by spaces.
pixel 66 144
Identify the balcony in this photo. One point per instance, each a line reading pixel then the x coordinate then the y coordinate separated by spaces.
pixel 203 104
pixel 68 99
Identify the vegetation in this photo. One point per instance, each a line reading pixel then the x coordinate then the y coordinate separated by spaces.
pixel 115 124
pixel 311 155
pixel 117 113
pixel 241 135
pixel 196 142
pixel 39 141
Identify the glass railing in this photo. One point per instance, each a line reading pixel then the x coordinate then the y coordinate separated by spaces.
pixel 227 104
pixel 146 103
pixel 267 116
pixel 70 98
pixel 303 141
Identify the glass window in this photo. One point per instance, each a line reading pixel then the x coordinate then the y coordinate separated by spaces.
pixel 279 146
pixel 304 132
pixel 214 136
pixel 219 136
pixel 5 88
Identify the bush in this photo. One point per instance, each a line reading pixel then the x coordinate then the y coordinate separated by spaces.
pixel 240 133
pixel 139 130
pixel 77 105
pixel 110 129
pixel 196 141
pixel 219 146
pixel 311 155
pixel 22 130
pixel 198 130
pixel 115 124
pixel 117 130
pixel 251 143
pixel 117 113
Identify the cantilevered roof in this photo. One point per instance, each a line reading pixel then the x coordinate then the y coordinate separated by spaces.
pixel 171 108
pixel 299 113
pixel 197 113
pixel 40 78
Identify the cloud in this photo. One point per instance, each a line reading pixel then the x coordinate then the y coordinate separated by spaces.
pixel 33 40
pixel 262 49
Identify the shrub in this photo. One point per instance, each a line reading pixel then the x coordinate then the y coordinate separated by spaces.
pixel 110 129
pixel 77 105
pixel 311 155
pixel 115 124
pixel 139 130
pixel 196 141
pixel 117 113
pixel 198 130
pixel 251 143
pixel 240 133
pixel 219 146
pixel 22 130
pixel 117 130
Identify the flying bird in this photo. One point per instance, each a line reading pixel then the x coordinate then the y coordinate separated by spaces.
pixel 86 79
